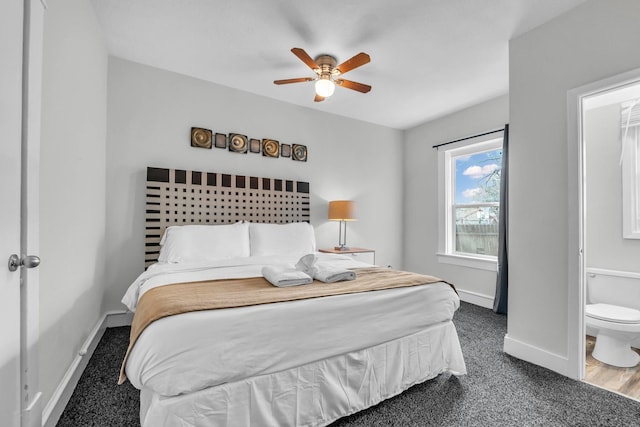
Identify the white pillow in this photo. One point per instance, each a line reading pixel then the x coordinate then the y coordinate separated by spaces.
pixel 201 243
pixel 294 239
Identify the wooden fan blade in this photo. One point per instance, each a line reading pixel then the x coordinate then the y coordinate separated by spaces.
pixel 360 87
pixel 304 57
pixel 355 62
pixel 319 98
pixel 298 80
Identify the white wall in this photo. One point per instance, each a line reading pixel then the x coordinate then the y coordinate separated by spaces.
pixel 605 247
pixel 72 185
pixel 421 194
pixel 150 114
pixel 589 43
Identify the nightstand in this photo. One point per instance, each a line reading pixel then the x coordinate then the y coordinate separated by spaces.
pixel 360 254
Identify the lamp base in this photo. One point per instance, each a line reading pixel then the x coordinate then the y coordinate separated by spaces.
pixel 341 248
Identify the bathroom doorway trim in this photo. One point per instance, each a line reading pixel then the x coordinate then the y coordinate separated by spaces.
pixel 576 213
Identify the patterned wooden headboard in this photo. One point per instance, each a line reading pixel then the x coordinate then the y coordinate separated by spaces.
pixel 178 197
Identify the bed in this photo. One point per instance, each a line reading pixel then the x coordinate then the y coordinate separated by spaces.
pixel 312 355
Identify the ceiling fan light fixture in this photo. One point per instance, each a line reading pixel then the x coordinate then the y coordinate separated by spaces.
pixel 325 87
pixel 328 75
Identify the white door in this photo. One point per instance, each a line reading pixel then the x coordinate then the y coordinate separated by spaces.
pixel 20 92
pixel 11 21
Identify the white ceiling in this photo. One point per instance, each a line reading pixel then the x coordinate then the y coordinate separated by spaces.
pixel 429 58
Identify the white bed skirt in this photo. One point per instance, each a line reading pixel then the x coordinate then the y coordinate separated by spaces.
pixel 315 394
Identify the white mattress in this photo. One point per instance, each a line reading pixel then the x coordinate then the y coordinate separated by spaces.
pixel 195 351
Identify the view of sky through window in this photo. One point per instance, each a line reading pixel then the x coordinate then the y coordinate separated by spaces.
pixel 478 177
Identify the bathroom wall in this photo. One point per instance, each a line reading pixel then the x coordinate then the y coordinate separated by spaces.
pixel 605 247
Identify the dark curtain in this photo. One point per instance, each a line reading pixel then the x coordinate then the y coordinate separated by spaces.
pixel 502 287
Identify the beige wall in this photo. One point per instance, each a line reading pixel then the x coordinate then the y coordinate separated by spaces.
pixel 150 115
pixel 72 186
pixel 421 195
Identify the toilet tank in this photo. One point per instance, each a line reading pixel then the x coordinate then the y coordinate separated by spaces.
pixel 613 287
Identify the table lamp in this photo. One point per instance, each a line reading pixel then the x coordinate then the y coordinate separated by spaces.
pixel 343 211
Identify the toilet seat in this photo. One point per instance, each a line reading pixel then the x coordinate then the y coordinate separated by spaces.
pixel 613 313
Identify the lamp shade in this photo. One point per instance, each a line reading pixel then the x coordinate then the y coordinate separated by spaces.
pixel 342 210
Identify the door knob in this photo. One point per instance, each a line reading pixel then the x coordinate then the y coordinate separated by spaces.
pixel 27 261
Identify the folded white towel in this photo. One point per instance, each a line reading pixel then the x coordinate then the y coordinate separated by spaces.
pixel 307 264
pixel 329 273
pixel 283 276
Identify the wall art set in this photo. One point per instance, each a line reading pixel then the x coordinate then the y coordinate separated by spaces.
pixel 238 143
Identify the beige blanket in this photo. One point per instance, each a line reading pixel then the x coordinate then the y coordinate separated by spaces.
pixel 180 298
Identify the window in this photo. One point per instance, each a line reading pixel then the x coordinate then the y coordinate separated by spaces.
pixel 630 161
pixel 470 202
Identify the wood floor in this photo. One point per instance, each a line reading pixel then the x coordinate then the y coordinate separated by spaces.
pixel 622 380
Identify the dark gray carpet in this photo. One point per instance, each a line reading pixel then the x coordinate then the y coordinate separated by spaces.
pixel 98 400
pixel 498 391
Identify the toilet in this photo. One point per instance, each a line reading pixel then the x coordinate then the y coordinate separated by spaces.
pixel 612 315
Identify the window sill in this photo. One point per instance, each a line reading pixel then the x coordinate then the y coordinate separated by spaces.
pixel 468 261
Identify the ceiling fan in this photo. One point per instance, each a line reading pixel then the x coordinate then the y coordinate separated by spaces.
pixel 328 73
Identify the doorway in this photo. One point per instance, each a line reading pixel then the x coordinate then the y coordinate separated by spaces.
pixel 600 143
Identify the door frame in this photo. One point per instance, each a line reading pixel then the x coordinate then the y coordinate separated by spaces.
pixel 30 393
pixel 577 252
pixel 11 46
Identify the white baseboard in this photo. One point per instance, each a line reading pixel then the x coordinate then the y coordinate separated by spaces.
pixel 115 319
pixel 537 356
pixel 475 298
pixel 54 408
